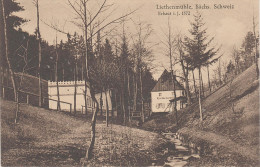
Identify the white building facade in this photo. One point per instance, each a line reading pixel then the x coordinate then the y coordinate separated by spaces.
pixel 162 95
pixel 66 94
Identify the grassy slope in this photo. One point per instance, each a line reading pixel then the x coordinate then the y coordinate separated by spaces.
pixel 236 132
pixel 37 135
pixel 49 138
pixel 34 124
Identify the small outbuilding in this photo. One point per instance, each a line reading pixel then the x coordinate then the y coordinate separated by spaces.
pixel 66 93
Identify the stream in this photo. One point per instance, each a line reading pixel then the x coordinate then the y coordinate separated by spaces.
pixel 179 155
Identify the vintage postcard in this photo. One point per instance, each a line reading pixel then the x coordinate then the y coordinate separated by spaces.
pixel 129 82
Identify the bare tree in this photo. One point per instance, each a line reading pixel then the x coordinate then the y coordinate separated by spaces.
pixel 236 59
pixel 36 2
pixel 20 78
pixel 142 56
pixel 80 7
pixel 75 84
pixel 230 75
pixel 170 48
pixel 56 76
pixel 185 68
pixel 8 60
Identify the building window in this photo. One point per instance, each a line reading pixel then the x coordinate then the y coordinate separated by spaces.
pixel 160 94
pixel 160 106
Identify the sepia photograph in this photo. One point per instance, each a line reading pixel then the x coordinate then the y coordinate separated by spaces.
pixel 171 83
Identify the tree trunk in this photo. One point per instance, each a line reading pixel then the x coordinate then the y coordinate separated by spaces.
pixel 123 94
pixel 63 72
pixel 39 53
pixel 194 84
pixel 200 105
pixel 86 53
pixel 141 93
pixel 89 152
pixel 107 110
pixel 123 106
pixel 101 103
pixel 186 78
pixel 116 104
pixel 119 114
pixel 175 102
pixel 75 86
pixel 208 78
pixel 202 85
pixel 82 69
pixel 8 60
pixel 129 96
pixel 86 89
pixel 135 93
pixel 56 78
pixel 219 72
pixel 113 108
pixel 172 75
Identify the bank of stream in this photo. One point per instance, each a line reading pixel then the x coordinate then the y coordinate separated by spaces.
pixel 179 153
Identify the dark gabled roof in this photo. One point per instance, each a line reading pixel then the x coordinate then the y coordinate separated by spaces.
pixel 164 83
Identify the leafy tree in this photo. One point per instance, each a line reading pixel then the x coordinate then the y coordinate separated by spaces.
pixel 249 43
pixel 14 34
pixel 13 21
pixel 185 65
pixel 230 68
pixel 149 83
pixel 248 49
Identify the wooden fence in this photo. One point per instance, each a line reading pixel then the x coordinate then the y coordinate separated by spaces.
pixel 28 98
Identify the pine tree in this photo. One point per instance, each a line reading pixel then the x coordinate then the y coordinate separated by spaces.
pixel 14 34
pixel 198 47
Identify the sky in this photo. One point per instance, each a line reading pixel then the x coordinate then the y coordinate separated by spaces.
pixel 227 26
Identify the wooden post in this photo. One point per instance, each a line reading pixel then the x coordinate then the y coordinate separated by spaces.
pixel 27 98
pixel 70 107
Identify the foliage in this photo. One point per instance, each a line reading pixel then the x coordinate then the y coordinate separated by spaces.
pixel 198 46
